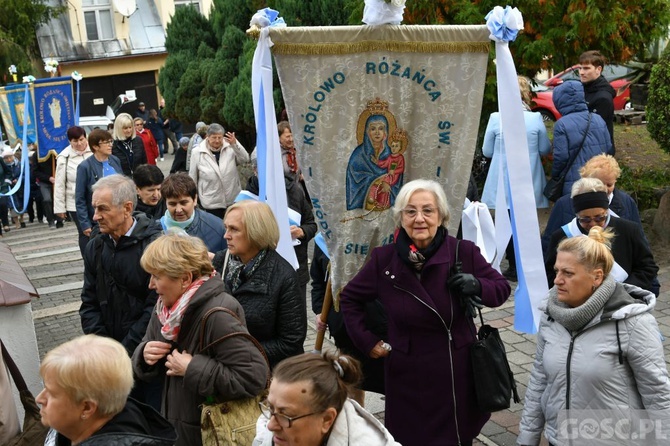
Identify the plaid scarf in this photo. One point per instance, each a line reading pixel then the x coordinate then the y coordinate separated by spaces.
pixel 170 318
pixel 237 272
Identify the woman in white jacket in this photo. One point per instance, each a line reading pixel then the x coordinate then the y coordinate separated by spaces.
pixel 213 167
pixel 599 360
pixel 308 405
pixel 66 178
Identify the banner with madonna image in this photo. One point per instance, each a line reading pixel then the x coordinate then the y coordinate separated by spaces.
pixel 12 104
pixel 54 113
pixel 372 108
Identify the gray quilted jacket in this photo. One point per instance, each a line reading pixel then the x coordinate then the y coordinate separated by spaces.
pixel 615 363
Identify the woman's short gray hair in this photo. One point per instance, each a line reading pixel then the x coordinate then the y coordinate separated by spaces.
pixel 215 129
pixel 123 189
pixel 93 368
pixel 585 185
pixel 421 185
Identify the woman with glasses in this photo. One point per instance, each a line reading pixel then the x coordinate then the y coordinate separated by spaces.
pixel 150 145
pixel 308 405
pixel 633 260
pixel 599 355
pixel 101 164
pixel 188 289
pixel 430 395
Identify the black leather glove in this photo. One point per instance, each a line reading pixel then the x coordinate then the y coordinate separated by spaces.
pixel 470 305
pixel 465 284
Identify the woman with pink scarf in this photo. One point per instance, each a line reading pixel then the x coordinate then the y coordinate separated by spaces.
pixel 188 289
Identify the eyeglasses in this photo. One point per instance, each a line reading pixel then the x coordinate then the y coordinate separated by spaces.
pixel 282 420
pixel 413 213
pixel 110 142
pixel 587 220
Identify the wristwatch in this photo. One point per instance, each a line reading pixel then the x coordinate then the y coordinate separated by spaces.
pixel 386 346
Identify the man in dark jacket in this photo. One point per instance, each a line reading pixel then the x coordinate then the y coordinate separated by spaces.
pixel 116 299
pixel 43 171
pixel 598 92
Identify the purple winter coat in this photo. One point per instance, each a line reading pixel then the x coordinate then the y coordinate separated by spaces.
pixel 430 398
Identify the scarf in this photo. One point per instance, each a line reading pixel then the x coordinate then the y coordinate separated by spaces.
pixel 291 160
pixel 574 319
pixel 168 222
pixel 170 318
pixel 413 256
pixel 237 272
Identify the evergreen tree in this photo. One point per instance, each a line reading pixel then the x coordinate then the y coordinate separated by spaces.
pixel 18 41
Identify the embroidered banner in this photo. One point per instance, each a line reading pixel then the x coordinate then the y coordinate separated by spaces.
pixel 12 110
pixel 372 108
pixel 54 114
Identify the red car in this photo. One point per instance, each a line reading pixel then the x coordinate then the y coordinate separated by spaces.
pixel 542 92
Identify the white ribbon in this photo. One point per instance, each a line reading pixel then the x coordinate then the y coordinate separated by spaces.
pixel 266 124
pixel 478 228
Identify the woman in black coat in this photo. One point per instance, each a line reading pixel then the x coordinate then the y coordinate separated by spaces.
pixel 262 281
pixel 128 147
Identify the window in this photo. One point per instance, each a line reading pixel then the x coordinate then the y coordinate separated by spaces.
pixel 98 19
pixel 183 3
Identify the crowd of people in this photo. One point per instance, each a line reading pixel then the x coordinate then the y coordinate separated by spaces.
pixel 174 264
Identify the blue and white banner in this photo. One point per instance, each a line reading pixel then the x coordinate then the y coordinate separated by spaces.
pixel 12 104
pixel 504 24
pixel 372 108
pixel 54 113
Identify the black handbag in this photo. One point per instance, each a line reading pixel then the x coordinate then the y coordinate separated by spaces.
pixel 33 432
pixel 493 377
pixel 553 190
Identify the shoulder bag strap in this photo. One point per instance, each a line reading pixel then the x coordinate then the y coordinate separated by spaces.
pixel 13 369
pixel 572 158
pixel 231 335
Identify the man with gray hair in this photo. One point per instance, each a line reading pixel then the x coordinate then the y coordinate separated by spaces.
pixel 116 300
pixel 214 169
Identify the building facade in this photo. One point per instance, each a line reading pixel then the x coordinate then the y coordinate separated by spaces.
pixel 116 45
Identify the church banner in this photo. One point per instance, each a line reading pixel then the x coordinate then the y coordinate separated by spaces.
pixel 54 113
pixel 12 109
pixel 372 108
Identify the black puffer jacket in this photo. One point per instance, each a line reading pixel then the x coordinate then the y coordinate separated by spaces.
pixel 116 300
pixel 128 149
pixel 274 310
pixel 136 425
pixel 299 202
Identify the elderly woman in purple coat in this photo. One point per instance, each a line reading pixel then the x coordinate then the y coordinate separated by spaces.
pixel 430 397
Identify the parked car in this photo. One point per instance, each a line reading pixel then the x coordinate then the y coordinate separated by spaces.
pixel 617 75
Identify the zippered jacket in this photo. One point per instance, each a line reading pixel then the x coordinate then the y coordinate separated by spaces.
pixel 615 363
pixel 430 394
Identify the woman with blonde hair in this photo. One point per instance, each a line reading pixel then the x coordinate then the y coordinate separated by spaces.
pixel 85 399
pixel 128 147
pixel 262 281
pixel 308 405
pixel 494 148
pixel 188 289
pixel 599 350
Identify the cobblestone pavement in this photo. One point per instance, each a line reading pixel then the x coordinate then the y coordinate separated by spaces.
pixel 52 262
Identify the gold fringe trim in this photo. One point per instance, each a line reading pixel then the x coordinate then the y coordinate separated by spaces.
pixel 329 49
